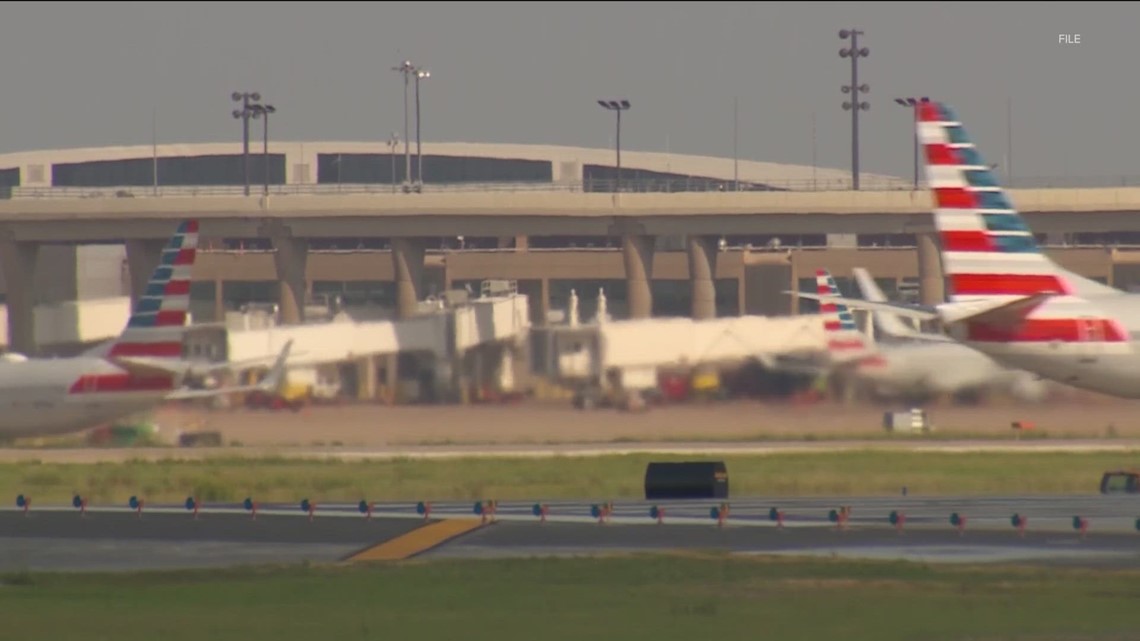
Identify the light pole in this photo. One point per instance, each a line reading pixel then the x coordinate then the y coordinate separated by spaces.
pixel 393 142
pixel 406 68
pixel 617 106
pixel 263 111
pixel 420 74
pixel 913 103
pixel 854 106
pixel 244 114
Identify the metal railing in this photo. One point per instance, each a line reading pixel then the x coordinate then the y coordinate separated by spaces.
pixel 599 185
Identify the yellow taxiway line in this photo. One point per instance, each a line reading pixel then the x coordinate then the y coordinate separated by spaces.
pixel 418 540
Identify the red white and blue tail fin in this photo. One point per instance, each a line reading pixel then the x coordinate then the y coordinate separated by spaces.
pixel 989 254
pixel 844 340
pixel 158 320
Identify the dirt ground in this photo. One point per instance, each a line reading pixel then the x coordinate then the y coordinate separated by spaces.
pixel 556 422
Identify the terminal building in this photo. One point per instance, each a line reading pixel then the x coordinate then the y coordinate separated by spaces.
pixel 81 293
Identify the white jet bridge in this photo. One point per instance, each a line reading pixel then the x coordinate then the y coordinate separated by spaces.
pixel 628 355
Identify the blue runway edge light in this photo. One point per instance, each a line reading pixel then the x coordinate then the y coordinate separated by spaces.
pixel 21 501
pixel 248 504
pixel 305 505
pixel 134 503
pixel 190 503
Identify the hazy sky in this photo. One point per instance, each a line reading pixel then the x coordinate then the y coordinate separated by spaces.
pixel 90 75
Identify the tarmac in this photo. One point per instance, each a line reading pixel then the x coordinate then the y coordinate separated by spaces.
pixel 438 452
pixel 60 538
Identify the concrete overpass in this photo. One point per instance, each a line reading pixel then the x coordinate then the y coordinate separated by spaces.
pixel 144 223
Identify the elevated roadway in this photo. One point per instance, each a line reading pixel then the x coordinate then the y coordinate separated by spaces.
pixel 413 221
pixel 509 213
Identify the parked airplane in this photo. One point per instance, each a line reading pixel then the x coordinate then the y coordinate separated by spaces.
pixel 845 345
pixel 917 364
pixel 1007 299
pixel 136 371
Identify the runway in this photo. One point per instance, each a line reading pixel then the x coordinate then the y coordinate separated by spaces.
pixel 169 536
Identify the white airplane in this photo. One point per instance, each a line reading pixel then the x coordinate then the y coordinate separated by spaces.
pixel 915 364
pixel 1007 299
pixel 134 372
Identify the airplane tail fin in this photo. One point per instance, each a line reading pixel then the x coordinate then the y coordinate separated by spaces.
pixel 158 319
pixel 988 251
pixel 889 323
pixel 989 254
pixel 844 340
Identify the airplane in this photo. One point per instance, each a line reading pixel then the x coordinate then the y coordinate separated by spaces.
pixel 136 371
pixel 845 345
pixel 1006 298
pixel 920 365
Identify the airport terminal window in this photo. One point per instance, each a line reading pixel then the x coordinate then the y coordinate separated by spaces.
pixel 602 178
pixel 573 242
pixel 203 291
pixel 355 292
pixel 886 240
pixel 176 171
pixel 380 168
pixel 236 293
pixel 9 178
pixel 348 244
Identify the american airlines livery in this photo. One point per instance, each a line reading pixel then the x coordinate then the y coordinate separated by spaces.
pixel 845 345
pixel 1006 298
pixel 920 364
pixel 140 369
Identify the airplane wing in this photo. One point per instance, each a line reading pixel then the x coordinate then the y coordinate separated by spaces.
pixel 270 384
pixel 921 312
pixel 1000 313
pixel 148 366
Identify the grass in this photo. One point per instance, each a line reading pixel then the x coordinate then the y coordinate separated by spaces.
pixel 659 597
pixel 598 477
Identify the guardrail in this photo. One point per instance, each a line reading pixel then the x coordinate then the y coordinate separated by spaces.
pixel 600 185
pixel 331 189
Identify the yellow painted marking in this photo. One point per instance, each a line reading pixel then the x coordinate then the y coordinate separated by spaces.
pixel 418 540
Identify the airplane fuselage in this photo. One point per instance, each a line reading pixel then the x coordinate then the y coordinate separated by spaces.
pixel 60 396
pixel 934 368
pixel 1106 367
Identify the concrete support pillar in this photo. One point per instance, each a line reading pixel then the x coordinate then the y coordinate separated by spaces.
pixel 544 302
pixel 702 252
pixel 408 265
pixel 522 243
pixel 930 283
pixel 219 301
pixel 637 252
pixel 290 259
pixel 391 378
pixel 143 255
pixel 366 382
pixel 18 260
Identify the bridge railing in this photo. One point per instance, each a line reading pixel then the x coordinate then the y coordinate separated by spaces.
pixel 593 185
pixel 601 185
